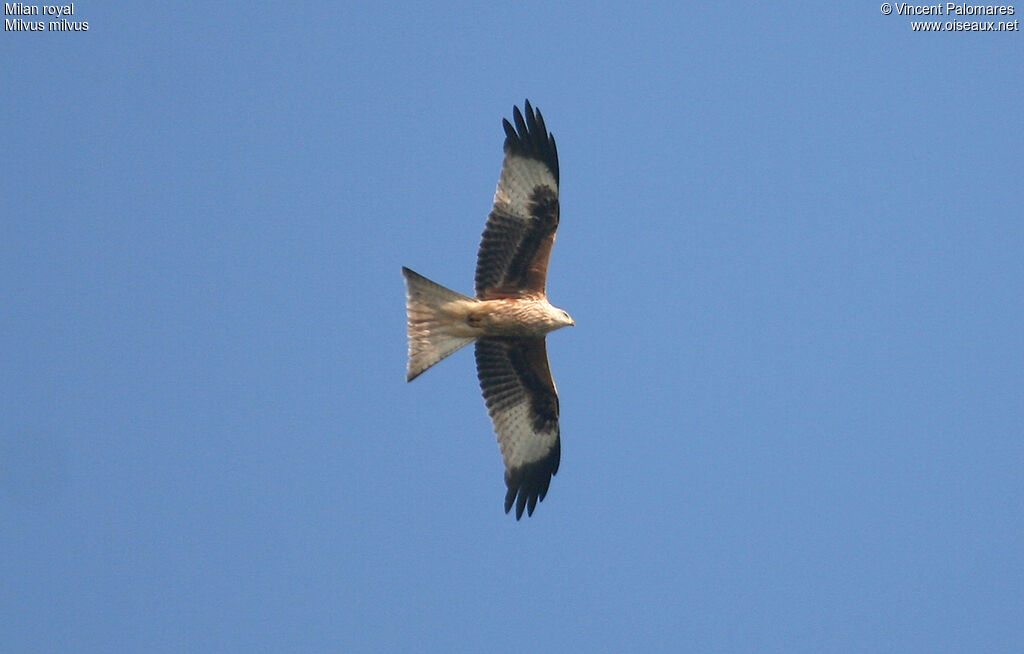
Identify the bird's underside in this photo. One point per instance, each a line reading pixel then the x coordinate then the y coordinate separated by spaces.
pixel 510 315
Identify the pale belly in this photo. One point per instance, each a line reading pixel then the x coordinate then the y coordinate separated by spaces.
pixel 505 317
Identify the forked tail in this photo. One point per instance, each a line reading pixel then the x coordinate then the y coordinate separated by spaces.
pixel 433 333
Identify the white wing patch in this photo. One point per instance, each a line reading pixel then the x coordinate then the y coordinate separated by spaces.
pixel 520 444
pixel 519 177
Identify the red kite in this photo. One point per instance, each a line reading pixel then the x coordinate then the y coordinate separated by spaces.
pixel 510 315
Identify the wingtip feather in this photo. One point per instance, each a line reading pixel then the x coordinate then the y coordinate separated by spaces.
pixel 528 134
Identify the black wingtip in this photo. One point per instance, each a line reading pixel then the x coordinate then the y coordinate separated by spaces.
pixel 510 499
pixel 528 485
pixel 529 137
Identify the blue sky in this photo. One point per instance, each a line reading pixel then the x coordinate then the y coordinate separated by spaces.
pixel 792 407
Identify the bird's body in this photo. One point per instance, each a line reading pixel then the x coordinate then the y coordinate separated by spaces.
pixel 510 316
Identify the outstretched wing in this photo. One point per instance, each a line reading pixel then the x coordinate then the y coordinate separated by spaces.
pixel 516 245
pixel 521 398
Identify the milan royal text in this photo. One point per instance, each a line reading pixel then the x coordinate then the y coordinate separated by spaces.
pixel 57 11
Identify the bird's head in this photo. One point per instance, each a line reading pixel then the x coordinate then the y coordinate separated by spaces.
pixel 564 319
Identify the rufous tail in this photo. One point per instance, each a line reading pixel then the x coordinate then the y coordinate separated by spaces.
pixel 431 336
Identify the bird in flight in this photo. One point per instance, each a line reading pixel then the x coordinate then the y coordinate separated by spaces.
pixel 510 315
